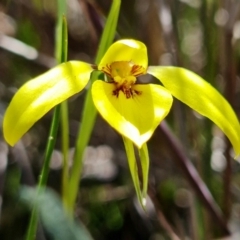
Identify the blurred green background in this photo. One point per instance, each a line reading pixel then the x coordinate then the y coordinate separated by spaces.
pixel 201 35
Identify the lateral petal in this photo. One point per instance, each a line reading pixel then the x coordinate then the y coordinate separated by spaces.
pixel 137 117
pixel 198 94
pixel 36 97
pixel 126 50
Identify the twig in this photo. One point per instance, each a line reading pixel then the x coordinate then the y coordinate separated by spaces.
pixel 193 177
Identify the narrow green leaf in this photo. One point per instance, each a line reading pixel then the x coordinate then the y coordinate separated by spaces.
pixel 64 40
pixel 133 168
pixel 89 115
pixel 89 110
pixel 61 55
pixel 144 160
pixel 60 34
pixel 36 97
pixel 64 117
pixel 109 30
pixel 198 94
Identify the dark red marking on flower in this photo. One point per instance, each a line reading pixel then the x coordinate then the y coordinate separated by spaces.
pixel 137 70
pixel 107 70
pixel 129 92
pixel 123 74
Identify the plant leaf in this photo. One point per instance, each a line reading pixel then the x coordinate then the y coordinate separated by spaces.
pixel 89 112
pixel 109 30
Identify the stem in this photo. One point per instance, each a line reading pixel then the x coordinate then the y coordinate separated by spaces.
pixel 50 146
pixel 31 234
pixel 88 119
pixel 64 115
pixel 89 111
pixel 61 55
pixel 65 148
pixel 193 177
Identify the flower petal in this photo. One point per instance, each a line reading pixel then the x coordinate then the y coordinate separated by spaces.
pixel 38 96
pixel 198 94
pixel 126 50
pixel 137 117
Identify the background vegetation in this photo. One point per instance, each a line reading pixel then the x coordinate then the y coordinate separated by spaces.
pixel 194 185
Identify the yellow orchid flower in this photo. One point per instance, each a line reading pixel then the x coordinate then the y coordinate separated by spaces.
pixel 133 109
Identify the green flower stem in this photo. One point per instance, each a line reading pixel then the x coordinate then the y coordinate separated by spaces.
pixel 32 228
pixel 61 32
pixel 89 110
pixel 65 148
pixel 109 30
pixel 31 234
pixel 50 146
pixel 61 55
pixel 64 118
pixel 84 133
